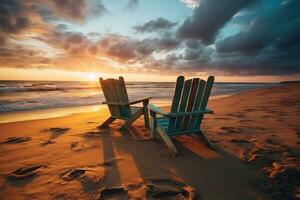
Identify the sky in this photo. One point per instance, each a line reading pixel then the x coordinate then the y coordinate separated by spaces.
pixel 150 40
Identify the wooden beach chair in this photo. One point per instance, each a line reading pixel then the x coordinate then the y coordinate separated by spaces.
pixel 115 93
pixel 187 111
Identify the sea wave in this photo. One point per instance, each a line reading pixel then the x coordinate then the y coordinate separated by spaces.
pixel 32 95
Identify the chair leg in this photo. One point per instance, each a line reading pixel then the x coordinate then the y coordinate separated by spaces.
pixel 206 140
pixel 167 140
pixel 131 120
pixel 146 113
pixel 107 122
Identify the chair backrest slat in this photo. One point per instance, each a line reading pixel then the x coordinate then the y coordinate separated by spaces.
pixel 176 101
pixel 198 98
pixel 123 97
pixel 191 101
pixel 183 103
pixel 190 95
pixel 105 90
pixel 204 100
pixel 114 91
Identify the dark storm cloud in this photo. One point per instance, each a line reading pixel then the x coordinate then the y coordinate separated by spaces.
pixel 196 50
pixel 269 45
pixel 209 17
pixel 279 28
pixel 77 10
pixel 155 25
pixel 13 18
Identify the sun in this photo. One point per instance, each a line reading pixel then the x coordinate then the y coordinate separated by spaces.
pixel 92 77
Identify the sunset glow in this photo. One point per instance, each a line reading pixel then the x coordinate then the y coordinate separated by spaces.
pixel 93 77
pixel 140 40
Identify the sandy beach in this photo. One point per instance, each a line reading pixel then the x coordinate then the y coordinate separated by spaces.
pixel 256 133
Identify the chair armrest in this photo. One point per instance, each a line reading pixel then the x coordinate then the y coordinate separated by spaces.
pixel 114 103
pixel 140 100
pixel 125 104
pixel 155 109
pixel 207 111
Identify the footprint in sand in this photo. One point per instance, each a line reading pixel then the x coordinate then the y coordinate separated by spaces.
pixel 240 141
pixel 72 174
pixel 76 146
pixel 150 189
pixel 230 129
pixel 55 132
pixel 93 174
pixel 283 182
pixel 91 178
pixel 47 143
pixel 16 140
pixel 96 133
pixel 23 174
pixel 263 152
pixel 168 189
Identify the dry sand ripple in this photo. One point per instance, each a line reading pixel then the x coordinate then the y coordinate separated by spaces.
pixel 16 140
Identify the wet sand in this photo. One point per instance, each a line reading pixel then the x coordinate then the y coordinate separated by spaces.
pixel 256 133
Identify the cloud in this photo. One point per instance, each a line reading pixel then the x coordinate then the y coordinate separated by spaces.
pixel 132 4
pixel 155 25
pixel 21 56
pixel 128 49
pixel 191 3
pixel 209 18
pixel 279 28
pixel 76 10
pixel 13 18
pixel 267 42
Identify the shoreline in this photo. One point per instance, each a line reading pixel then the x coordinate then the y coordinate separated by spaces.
pixel 49 113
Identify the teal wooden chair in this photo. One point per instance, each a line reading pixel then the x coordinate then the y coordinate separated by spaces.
pixel 120 107
pixel 187 111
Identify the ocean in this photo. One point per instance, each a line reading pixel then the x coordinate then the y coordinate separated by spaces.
pixel 35 95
